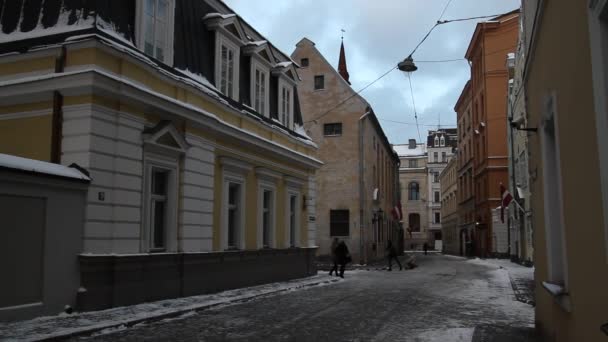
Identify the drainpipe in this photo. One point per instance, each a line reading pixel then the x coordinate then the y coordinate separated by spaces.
pixel 362 195
pixel 57 116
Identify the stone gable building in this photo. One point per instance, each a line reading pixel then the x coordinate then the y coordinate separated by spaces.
pixel 357 185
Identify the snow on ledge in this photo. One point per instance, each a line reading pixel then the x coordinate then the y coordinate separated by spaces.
pixel 554 289
pixel 31 165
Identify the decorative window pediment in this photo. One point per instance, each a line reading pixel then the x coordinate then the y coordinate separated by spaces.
pixel 285 70
pixel 225 23
pixel 165 136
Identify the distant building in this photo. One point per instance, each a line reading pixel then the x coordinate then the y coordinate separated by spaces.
pixel 491 42
pixel 450 231
pixel 520 216
pixel 441 145
pixel 357 185
pixel 413 182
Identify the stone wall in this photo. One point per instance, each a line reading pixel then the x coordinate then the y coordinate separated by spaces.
pixel 117 280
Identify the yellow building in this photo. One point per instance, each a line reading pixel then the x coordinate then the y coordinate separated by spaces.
pixel 201 173
pixel 565 89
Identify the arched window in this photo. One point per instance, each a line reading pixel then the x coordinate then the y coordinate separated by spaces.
pixel 442 141
pixel 436 141
pixel 414 222
pixel 414 191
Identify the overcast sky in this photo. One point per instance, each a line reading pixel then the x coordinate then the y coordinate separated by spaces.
pixel 380 33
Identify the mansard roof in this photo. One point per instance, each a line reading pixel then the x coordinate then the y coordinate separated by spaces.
pixel 29 24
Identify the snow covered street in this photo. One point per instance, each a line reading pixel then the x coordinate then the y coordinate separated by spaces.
pixel 445 299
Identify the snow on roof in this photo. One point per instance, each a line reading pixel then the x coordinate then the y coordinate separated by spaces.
pixel 405 151
pixel 37 166
pixel 284 64
pixel 218 15
pixel 257 42
pixel 39 31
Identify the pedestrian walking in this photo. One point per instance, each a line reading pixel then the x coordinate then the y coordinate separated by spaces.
pixel 334 260
pixel 426 248
pixel 391 253
pixel 342 256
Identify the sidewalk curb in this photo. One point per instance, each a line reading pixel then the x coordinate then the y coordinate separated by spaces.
pixel 89 330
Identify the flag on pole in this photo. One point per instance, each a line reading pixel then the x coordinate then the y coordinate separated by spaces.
pixel 506 200
pixel 398 212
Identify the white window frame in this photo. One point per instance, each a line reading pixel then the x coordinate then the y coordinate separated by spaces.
pixel 436 142
pixel 262 187
pixel 442 141
pixel 598 30
pixel 292 192
pixel 224 40
pixel 283 84
pixel 227 179
pixel 553 196
pixel 257 65
pixel 154 161
pixel 169 39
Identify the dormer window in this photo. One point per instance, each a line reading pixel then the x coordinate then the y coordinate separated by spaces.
pixel 226 71
pixel 442 143
pixel 259 87
pixel 436 141
pixel 286 103
pixel 155 28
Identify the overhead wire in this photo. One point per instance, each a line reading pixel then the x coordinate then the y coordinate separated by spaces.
pixel 439 22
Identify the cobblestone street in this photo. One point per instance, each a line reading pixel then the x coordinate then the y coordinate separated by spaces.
pixel 445 299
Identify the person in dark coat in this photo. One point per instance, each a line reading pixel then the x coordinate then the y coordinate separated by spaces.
pixel 391 253
pixel 342 257
pixel 426 248
pixel 334 245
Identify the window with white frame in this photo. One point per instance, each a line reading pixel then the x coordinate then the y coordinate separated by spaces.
pixel 293 223
pixel 227 66
pixel 266 216
pixel 259 87
pixel 442 141
pixel 285 104
pixel 160 199
pixel 158 205
pixel 436 144
pixel 234 206
pixel 554 223
pixel 155 28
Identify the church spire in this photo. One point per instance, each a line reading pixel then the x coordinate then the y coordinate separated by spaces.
pixel 342 70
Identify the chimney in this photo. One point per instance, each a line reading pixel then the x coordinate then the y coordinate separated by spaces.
pixel 412 144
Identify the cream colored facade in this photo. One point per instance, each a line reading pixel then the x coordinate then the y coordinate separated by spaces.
pixel 567 166
pixel 413 183
pixel 449 208
pixel 359 175
pixel 121 119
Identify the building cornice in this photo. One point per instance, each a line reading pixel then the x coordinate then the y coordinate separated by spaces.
pixel 86 81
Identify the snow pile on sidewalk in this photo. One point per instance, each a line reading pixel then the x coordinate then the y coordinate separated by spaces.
pixel 64 325
pixel 447 335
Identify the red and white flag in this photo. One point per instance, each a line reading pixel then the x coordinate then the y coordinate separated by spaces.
pixel 506 200
pixel 397 212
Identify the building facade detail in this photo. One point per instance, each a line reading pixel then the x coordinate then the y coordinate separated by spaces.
pixel 197 154
pixel 357 185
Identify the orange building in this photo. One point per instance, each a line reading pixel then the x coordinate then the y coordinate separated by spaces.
pixel 487 52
